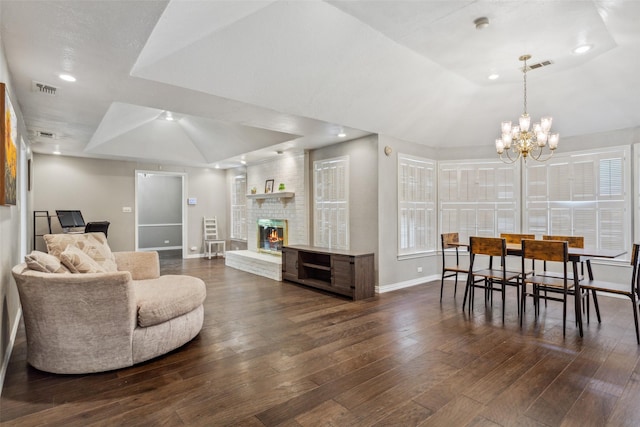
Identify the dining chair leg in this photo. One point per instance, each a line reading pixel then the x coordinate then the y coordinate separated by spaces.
pixel 577 297
pixel 455 287
pixel 595 304
pixel 635 317
pixel 466 292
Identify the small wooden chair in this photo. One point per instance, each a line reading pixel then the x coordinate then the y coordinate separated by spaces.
pixel 491 247
pixel 549 251
pixel 515 239
pixel 450 241
pixel 210 236
pixel 631 291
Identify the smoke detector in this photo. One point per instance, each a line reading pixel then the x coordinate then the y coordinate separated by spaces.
pixel 44 88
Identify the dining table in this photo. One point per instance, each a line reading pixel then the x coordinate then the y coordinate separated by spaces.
pixel 576 256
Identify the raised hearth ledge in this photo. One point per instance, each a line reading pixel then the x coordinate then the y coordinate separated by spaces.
pixel 264 265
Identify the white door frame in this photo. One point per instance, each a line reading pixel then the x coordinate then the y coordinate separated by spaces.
pixel 183 211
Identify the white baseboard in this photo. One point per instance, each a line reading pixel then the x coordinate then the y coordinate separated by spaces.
pixel 407 283
pixel 7 353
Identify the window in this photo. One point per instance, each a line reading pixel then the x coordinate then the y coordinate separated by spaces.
pixel 479 198
pixel 331 203
pixel 582 194
pixel 239 207
pixel 416 205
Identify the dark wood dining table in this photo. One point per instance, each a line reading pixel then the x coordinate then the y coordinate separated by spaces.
pixel 576 256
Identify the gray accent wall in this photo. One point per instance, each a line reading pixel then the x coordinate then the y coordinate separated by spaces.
pixel 102 188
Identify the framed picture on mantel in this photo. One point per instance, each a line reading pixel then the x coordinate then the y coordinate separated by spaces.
pixel 268 186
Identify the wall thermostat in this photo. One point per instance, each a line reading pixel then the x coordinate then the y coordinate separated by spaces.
pixel 192 201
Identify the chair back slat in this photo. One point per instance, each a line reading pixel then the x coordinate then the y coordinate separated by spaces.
pixel 574 241
pixel 492 246
pixel 546 250
pixel 512 238
pixel 448 240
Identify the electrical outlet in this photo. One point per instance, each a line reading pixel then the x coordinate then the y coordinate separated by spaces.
pixel 166 241
pixel 126 209
pixel 419 269
pixel 194 248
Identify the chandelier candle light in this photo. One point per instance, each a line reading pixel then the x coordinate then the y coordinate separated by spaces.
pixel 519 141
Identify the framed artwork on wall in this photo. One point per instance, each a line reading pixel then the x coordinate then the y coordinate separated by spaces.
pixel 8 149
pixel 268 186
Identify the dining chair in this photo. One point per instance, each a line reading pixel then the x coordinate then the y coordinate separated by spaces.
pixel 549 287
pixel 631 291
pixel 450 241
pixel 573 242
pixel 494 278
pixel 515 239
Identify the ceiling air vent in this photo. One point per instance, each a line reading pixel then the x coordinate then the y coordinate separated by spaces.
pixel 43 88
pixel 539 65
pixel 44 134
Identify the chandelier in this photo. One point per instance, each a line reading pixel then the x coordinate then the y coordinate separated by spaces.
pixel 524 141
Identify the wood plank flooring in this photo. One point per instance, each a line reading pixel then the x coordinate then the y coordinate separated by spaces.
pixel 277 354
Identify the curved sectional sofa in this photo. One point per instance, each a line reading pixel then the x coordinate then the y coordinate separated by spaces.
pixel 89 310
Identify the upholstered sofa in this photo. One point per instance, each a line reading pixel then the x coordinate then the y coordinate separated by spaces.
pixel 114 310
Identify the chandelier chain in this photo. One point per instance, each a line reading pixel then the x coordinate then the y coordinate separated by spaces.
pixel 525 85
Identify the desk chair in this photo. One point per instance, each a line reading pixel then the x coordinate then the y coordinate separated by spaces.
pixel 491 247
pixel 210 236
pixel 632 292
pixel 97 227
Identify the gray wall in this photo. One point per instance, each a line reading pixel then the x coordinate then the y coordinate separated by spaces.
pixel 363 191
pixel 11 219
pixel 101 188
pixel 394 272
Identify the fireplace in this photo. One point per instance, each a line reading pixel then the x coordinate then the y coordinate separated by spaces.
pixel 272 235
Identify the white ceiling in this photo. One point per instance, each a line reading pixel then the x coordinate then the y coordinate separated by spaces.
pixel 249 78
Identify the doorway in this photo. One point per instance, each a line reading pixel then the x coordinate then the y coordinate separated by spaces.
pixel 160 215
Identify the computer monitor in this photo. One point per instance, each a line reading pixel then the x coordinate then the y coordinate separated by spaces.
pixel 70 219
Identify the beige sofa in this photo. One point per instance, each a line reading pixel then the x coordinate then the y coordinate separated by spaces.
pixel 97 321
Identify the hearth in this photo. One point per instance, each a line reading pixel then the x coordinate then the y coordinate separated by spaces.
pixel 272 235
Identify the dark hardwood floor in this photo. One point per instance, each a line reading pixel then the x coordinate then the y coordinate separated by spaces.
pixel 274 353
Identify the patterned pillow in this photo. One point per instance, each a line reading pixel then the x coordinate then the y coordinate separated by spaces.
pixel 45 263
pixel 78 261
pixel 93 244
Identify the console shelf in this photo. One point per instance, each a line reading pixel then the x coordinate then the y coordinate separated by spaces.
pixel 345 273
pixel 278 195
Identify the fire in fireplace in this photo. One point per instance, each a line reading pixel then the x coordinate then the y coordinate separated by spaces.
pixel 272 235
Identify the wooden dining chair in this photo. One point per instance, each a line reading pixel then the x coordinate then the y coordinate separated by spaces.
pixel 515 239
pixel 631 290
pixel 493 278
pixel 548 287
pixel 573 242
pixel 450 241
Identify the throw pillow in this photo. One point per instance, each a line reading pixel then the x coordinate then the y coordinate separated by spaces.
pixel 79 262
pixel 40 261
pixel 93 244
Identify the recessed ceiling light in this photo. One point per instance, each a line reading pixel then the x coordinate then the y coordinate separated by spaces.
pixel 481 23
pixel 494 76
pixel 57 152
pixel 244 162
pixel 67 77
pixel 168 116
pixel 582 49
pixel 342 135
